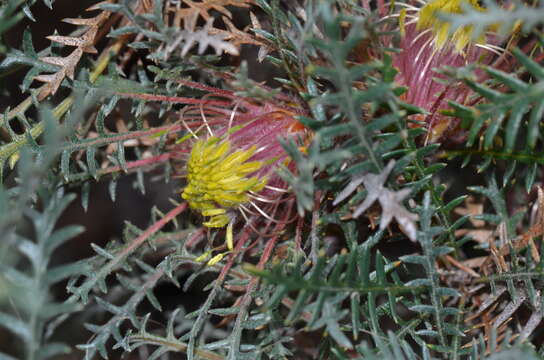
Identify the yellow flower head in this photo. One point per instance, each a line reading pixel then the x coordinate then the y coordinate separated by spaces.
pixel 217 179
pixel 428 19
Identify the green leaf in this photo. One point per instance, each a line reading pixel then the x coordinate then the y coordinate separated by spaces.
pixel 15 326
pixel 514 123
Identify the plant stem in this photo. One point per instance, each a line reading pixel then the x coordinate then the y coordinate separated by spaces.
pixel 130 248
pixel 12 148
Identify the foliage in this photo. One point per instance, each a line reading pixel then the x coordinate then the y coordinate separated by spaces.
pixel 28 223
pixel 337 203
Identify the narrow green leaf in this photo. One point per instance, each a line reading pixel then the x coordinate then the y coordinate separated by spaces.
pixel 530 177
pixel 508 79
pixel 514 123
pixel 535 120
pixel 493 129
pixel 532 66
pixel 16 326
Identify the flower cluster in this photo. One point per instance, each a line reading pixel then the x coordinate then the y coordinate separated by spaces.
pixel 428 44
pixel 232 164
pixel 216 179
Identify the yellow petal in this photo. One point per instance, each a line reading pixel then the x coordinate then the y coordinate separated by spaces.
pixel 230 237
pixel 217 258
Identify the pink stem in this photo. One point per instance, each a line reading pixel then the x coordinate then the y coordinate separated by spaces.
pixel 137 242
pixel 195 238
pixel 210 89
pixel 129 136
pixel 139 163
pixel 173 99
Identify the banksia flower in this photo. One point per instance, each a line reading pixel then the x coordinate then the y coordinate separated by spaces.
pixel 216 179
pixel 426 45
pixel 231 169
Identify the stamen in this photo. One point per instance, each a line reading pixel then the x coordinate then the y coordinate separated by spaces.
pixel 404 5
pixel 419 36
pixel 277 200
pixel 429 19
pixel 229 235
pixel 276 189
pixel 497 50
pixel 263 213
pixel 424 47
pixel 182 119
pixel 205 119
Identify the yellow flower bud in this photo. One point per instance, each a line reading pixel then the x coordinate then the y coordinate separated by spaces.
pixel 216 179
pixel 429 19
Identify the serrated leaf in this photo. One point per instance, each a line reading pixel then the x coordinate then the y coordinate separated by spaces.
pixel 61 236
pixel 530 177
pixel 414 259
pixel 427 309
pixel 63 272
pixel 15 326
pixel 225 311
pixel 418 283
pixel 514 123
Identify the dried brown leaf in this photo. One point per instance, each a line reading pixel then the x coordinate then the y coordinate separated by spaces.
pixel 67 40
pixel 189 38
pixel 480 235
pixel 235 36
pixel 510 309
pixel 530 326
pixel 97 5
pixel 491 299
pixel 53 81
pixel 80 21
pixel 472 208
pixel 390 201
pixel 462 266
pixel 83 44
pixel 226 40
pixel 203 8
pixel 264 48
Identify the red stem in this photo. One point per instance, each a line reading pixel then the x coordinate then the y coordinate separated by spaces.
pixel 173 99
pixel 139 163
pixel 210 89
pixel 195 238
pixel 134 244
pixel 122 137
